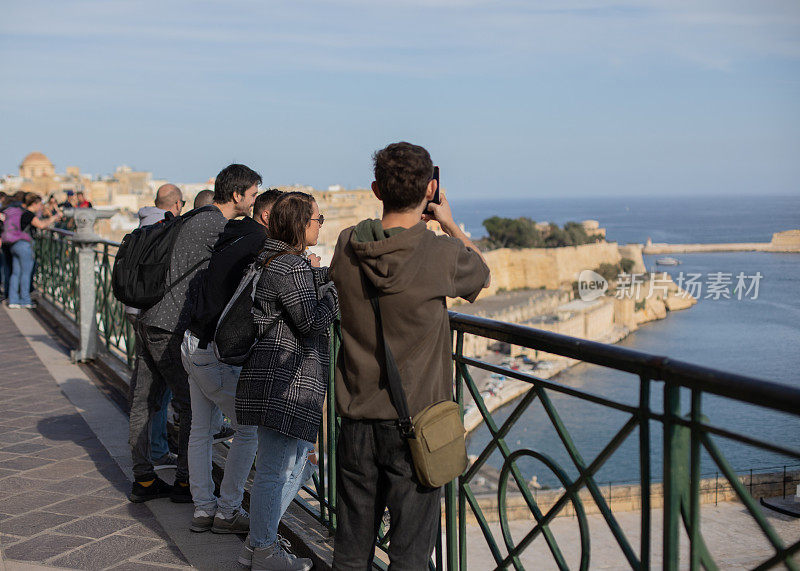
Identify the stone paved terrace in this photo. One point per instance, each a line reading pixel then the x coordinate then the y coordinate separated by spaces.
pixel 65 472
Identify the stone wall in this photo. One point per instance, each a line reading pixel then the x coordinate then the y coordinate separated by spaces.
pixel 622 498
pixel 344 208
pixel 546 267
pixel 788 241
pixel 515 307
pixel 634 252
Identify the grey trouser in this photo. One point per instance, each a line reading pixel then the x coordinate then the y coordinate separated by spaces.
pixel 374 472
pixel 158 368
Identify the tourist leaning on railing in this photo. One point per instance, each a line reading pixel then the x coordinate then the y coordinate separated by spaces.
pixel 162 327
pixel 282 385
pixel 212 383
pixel 168 203
pixel 18 240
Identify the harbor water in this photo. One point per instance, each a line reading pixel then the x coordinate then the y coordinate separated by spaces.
pixel 758 335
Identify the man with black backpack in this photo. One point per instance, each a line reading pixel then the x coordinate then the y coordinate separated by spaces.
pixel 212 384
pixel 167 205
pixel 188 241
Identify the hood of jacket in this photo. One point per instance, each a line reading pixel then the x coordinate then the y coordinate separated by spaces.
pixel 235 230
pixel 150 215
pixel 388 257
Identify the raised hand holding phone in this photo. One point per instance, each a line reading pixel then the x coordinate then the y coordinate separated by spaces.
pixel 436 199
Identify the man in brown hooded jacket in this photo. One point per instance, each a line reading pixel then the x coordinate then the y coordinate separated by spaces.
pixel 413 270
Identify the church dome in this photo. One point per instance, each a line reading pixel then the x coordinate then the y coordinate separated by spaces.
pixel 36 164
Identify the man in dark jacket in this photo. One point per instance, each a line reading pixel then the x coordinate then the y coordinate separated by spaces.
pixel 162 326
pixel 212 384
pixel 413 270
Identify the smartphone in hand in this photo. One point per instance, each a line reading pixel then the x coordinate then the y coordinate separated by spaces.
pixel 436 199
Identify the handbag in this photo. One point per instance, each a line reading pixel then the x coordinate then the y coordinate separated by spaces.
pixel 436 434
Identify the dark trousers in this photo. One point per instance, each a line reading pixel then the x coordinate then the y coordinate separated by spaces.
pixel 374 472
pixel 5 267
pixel 158 368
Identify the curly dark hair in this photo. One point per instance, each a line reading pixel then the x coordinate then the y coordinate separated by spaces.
pixel 289 217
pixel 402 173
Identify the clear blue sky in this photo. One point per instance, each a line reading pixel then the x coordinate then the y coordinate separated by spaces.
pixel 525 98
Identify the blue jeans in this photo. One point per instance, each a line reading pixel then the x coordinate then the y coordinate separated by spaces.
pixel 282 467
pixel 159 444
pixel 212 386
pixel 21 273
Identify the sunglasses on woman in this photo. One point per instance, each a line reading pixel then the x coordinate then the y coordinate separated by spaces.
pixel 321 219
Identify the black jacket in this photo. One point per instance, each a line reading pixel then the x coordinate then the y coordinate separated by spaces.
pixel 237 247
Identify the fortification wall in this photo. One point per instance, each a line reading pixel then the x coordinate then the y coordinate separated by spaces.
pixel 546 267
pixel 788 241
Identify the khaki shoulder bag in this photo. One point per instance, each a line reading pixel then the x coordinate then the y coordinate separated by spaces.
pixel 436 434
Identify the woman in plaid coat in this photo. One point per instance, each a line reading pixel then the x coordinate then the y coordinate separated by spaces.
pixel 282 386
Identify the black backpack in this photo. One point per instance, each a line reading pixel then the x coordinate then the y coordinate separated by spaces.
pixel 139 278
pixel 236 333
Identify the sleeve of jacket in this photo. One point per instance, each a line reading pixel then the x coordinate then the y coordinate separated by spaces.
pixel 298 296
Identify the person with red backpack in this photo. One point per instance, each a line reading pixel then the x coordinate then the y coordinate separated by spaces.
pixel 17 238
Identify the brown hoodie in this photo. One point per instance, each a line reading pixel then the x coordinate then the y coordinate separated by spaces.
pixel 414 270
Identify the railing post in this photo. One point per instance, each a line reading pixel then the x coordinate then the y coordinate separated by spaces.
pixel 86 240
pixel 672 462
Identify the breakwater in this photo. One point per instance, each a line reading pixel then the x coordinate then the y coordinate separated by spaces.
pixel 787 241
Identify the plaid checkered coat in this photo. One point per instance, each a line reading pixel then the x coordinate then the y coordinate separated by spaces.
pixel 282 386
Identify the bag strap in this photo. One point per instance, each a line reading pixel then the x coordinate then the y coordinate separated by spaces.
pixel 398 394
pixel 185 275
pixel 268 261
pixel 183 218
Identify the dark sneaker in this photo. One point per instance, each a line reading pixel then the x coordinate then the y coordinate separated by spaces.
pixel 145 490
pixel 168 460
pixel 277 558
pixel 246 554
pixel 224 434
pixel 181 493
pixel 239 522
pixel 201 521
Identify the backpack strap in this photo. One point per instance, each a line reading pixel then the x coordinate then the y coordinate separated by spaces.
pixel 185 217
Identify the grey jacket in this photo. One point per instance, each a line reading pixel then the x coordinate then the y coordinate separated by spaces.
pixel 190 256
pixel 282 386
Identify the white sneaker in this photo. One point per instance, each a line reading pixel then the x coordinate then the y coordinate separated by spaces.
pixel 14 306
pixel 275 558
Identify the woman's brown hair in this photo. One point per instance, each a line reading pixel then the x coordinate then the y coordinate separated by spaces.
pixel 289 217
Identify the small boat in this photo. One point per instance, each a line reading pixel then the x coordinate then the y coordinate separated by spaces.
pixel 667 262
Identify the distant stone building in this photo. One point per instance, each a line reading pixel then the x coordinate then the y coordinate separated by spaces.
pixel 36 165
pixel 131 181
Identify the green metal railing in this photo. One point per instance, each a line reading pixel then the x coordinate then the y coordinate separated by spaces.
pixel 58 281
pixel 686 436
pixel 57 270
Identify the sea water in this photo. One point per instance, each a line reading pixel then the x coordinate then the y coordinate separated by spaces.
pixel 758 335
